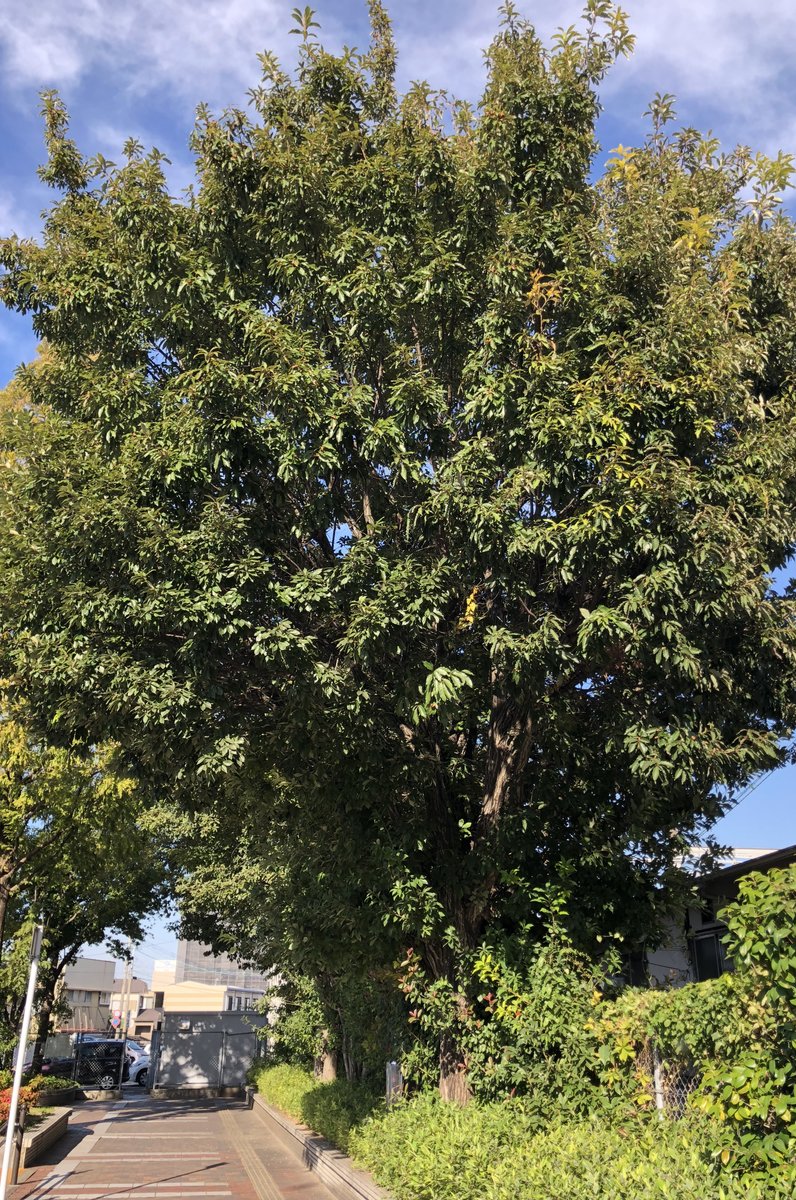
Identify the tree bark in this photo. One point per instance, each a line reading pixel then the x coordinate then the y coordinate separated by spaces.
pixel 509 741
pixel 42 1033
pixel 454 1085
pixel 508 746
pixel 326 1062
pixel 6 879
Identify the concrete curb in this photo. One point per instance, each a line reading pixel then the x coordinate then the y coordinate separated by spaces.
pixel 99 1093
pixel 37 1140
pixel 325 1160
pixel 196 1093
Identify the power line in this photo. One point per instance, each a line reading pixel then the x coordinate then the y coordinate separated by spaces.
pixel 752 788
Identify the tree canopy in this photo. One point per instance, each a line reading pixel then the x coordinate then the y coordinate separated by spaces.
pixel 413 474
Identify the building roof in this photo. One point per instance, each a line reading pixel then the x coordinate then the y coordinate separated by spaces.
pixel 148 1016
pixel 138 987
pixel 719 882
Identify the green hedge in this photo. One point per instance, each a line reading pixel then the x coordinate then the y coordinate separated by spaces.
pixel 331 1109
pixel 427 1150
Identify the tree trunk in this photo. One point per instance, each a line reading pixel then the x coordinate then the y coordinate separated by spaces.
pixel 454 1085
pixel 3 910
pixel 507 748
pixel 353 1069
pixel 510 733
pixel 42 1033
pixel 5 895
pixel 326 1062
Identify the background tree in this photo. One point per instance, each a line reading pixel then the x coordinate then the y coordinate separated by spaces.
pixel 51 800
pixel 406 463
pixel 74 855
pixel 104 889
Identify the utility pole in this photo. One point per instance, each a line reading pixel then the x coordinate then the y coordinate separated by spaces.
pixel 35 951
pixel 128 969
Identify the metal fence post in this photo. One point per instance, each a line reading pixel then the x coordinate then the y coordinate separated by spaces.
pixel 657 1079
pixel 222 1054
pixel 395 1083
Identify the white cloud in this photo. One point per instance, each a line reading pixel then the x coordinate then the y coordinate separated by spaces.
pixel 729 57
pixel 18 214
pixel 146 44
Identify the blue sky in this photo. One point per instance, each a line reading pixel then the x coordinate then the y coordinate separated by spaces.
pixel 139 67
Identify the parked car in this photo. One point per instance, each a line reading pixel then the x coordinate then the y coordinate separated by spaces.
pixel 58 1066
pixel 139 1070
pixel 134 1051
pixel 100 1064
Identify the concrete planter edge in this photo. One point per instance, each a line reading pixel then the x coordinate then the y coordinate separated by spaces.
pixel 37 1140
pixel 320 1156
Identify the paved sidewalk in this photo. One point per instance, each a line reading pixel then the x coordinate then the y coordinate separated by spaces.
pixel 140 1149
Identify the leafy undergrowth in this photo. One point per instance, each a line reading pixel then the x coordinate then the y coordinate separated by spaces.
pixel 331 1109
pixel 427 1150
pixel 49 1083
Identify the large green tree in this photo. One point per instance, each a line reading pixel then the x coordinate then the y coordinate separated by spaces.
pixel 406 468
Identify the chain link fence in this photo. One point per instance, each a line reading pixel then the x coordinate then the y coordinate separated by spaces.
pixel 672 1082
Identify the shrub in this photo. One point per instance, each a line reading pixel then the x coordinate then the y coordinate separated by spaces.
pixel 335 1109
pixel 738 1030
pixel 49 1083
pixel 751 1087
pixel 527 1027
pixel 536 1038
pixel 331 1109
pixel 283 1086
pixel 428 1150
pixel 26 1096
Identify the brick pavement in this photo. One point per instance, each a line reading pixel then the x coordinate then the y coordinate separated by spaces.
pixel 140 1149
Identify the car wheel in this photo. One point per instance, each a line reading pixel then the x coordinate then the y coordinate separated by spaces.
pixel 107 1082
pixel 141 1077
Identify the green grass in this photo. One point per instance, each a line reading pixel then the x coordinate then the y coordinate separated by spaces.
pixel 331 1109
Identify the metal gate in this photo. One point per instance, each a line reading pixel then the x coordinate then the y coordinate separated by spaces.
pixel 205 1050
pixel 99 1064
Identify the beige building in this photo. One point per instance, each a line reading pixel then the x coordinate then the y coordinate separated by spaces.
pixel 129 1003
pixel 87 986
pixel 164 972
pixel 191 996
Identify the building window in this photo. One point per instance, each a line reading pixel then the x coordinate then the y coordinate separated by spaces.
pixel 708 951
